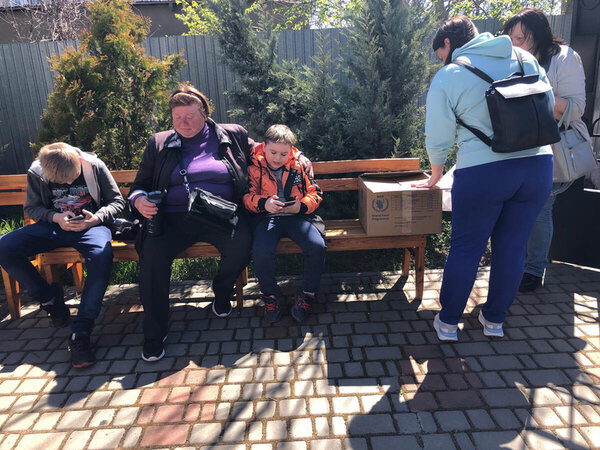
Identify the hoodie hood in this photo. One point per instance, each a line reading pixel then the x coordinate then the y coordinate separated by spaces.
pixel 486 45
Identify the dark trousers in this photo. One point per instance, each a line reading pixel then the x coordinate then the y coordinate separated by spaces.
pixel 500 200
pixel 94 245
pixel 158 253
pixel 267 234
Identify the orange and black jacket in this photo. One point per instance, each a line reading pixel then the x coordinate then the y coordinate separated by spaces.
pixel 296 185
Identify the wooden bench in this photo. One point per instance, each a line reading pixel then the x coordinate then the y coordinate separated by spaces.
pixel 341 235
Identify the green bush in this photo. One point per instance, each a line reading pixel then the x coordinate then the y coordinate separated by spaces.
pixel 109 97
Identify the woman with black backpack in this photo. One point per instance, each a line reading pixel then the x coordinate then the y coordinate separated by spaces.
pixel 494 195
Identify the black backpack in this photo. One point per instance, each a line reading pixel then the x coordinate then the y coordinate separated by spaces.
pixel 520 111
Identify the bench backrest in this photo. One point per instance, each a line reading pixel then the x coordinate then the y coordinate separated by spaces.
pixel 13 188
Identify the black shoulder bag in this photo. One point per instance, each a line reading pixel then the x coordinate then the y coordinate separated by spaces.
pixel 520 111
pixel 206 208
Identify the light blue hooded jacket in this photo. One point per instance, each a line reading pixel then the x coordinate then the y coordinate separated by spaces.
pixel 455 91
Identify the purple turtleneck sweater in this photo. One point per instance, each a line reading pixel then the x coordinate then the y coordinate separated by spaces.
pixel 204 170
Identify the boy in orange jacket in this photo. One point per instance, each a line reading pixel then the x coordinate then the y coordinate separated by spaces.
pixel 283 198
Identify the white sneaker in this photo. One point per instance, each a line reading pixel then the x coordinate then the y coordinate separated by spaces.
pixel 490 329
pixel 445 332
pixel 222 313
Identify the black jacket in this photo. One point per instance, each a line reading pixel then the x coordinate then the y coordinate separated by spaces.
pixel 160 159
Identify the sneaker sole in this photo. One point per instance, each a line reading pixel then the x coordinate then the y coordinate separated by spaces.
pixel 297 319
pixel 485 330
pixel 82 365
pixel 153 358
pixel 443 337
pixel 277 319
pixel 222 314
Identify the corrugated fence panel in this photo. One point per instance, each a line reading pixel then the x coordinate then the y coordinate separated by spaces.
pixel 26 79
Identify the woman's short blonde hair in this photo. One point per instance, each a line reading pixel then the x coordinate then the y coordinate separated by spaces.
pixel 186 95
pixel 60 162
pixel 279 133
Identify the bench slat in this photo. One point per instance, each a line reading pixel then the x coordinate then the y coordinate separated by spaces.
pixel 18 181
pixel 365 165
pixel 12 198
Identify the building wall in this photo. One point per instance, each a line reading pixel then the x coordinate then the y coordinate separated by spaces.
pixel 162 15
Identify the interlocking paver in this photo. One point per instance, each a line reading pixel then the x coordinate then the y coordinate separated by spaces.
pixel 365 372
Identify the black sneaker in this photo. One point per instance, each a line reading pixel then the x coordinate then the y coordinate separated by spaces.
pixel 55 307
pixel 272 309
pixel 221 310
pixel 82 354
pixel 153 349
pixel 530 283
pixel 301 306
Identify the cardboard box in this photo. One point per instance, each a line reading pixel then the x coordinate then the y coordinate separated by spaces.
pixel 388 205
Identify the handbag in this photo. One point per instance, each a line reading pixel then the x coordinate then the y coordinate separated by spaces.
pixel 520 111
pixel 206 208
pixel 573 154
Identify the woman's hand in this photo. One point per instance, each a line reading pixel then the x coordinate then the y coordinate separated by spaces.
pixel 307 165
pixel 560 104
pixel 145 207
pixel 436 175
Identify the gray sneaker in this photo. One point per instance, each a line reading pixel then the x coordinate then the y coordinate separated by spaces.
pixel 490 329
pixel 445 332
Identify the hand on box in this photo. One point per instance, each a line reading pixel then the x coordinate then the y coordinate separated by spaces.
pixel 436 175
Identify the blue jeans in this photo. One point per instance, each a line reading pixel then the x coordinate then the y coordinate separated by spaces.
pixel 500 200
pixel 267 234
pixel 540 239
pixel 94 245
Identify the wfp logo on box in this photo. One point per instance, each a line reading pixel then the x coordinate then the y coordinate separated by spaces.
pixel 380 204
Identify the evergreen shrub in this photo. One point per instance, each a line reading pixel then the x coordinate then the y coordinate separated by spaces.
pixel 109 96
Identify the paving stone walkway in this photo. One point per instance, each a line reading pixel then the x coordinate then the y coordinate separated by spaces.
pixel 365 372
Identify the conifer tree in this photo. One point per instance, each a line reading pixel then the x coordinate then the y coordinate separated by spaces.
pixel 268 92
pixel 389 64
pixel 109 96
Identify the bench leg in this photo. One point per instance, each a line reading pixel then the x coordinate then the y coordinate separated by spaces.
pixel 241 281
pixel 77 271
pixel 406 263
pixel 419 272
pixel 13 297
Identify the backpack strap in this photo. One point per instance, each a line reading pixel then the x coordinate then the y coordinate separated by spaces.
pixel 484 76
pixel 480 134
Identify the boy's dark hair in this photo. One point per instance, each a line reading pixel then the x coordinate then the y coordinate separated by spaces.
pixel 459 30
pixel 279 133
pixel 535 25
pixel 60 162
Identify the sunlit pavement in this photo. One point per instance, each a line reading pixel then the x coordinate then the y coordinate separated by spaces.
pixel 365 372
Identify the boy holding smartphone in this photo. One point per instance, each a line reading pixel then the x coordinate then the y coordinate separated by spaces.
pixel 70 195
pixel 283 199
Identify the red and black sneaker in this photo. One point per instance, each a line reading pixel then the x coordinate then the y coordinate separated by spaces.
pixel 301 306
pixel 82 353
pixel 272 309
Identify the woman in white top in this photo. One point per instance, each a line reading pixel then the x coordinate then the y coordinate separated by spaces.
pixel 530 30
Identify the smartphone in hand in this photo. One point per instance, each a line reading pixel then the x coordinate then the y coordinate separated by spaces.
pixel 290 203
pixel 77 217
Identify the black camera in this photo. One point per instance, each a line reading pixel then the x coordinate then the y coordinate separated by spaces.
pixel 155 223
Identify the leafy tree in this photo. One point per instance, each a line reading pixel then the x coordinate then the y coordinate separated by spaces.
pixel 498 9
pixel 200 18
pixel 109 96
